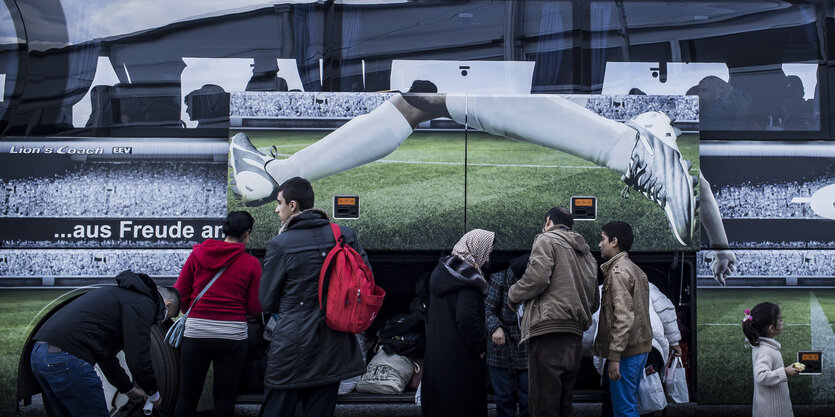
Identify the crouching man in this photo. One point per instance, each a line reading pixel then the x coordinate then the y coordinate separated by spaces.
pixel 91 330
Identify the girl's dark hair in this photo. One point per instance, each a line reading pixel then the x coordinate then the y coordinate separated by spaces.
pixel 237 223
pixel 763 315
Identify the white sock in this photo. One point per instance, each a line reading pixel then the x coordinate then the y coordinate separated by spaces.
pixel 549 121
pixel 362 140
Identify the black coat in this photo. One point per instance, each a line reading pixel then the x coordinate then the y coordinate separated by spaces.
pixel 104 321
pixel 455 375
pixel 304 352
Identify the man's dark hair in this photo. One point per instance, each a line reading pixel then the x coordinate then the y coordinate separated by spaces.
pixel 237 223
pixel 560 215
pixel 519 264
pixel 622 231
pixel 171 294
pixel 298 189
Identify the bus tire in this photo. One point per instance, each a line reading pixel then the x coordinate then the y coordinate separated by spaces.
pixel 166 363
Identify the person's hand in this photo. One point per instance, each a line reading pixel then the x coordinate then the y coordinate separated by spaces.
pixel 792 371
pixel 676 350
pixel 614 370
pixel 156 399
pixel 498 336
pixel 137 394
pixel 724 263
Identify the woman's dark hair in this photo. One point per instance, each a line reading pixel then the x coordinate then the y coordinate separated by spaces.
pixel 762 315
pixel 237 223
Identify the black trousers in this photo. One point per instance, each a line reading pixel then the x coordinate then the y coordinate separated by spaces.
pixel 553 365
pixel 226 357
pixel 317 401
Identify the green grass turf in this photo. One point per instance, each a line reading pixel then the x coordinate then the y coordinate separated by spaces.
pixel 422 206
pixel 725 374
pixel 20 311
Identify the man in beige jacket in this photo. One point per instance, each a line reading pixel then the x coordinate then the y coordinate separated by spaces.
pixel 559 292
pixel 624 335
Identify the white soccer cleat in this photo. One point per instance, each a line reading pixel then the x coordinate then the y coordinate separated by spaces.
pixel 250 181
pixel 658 171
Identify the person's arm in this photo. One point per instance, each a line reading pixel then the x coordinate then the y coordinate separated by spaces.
pixel 185 283
pixel 493 304
pixel 137 319
pixel 253 307
pixel 764 375
pixel 537 275
pixel 725 261
pixel 114 373
pixel 272 278
pixel 623 317
pixel 469 319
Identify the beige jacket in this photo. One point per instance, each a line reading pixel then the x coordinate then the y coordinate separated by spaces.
pixel 624 328
pixel 559 287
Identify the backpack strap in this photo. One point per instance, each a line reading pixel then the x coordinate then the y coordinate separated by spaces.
pixel 324 272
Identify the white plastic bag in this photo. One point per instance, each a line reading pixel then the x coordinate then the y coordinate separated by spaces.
pixel 675 382
pixel 417 394
pixel 650 394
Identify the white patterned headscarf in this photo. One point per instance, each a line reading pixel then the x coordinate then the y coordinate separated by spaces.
pixel 475 247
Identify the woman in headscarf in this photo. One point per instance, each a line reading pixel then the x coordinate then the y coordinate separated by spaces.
pixel 455 376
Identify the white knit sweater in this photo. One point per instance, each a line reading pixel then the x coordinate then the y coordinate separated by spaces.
pixel 771 389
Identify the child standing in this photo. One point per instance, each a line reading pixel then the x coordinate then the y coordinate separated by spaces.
pixel 771 389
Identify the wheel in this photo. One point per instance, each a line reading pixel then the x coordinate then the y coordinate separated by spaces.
pixel 166 363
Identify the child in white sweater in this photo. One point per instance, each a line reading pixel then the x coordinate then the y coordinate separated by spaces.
pixel 771 389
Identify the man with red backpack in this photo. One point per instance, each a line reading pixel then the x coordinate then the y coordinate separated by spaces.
pixel 306 359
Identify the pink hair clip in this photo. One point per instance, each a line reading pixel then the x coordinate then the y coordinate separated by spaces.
pixel 747 315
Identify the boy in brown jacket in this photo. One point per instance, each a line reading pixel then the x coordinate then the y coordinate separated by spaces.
pixel 624 335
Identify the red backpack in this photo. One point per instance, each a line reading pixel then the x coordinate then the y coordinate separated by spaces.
pixel 352 300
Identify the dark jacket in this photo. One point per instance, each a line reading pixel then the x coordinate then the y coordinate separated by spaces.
pixel 454 375
pixel 104 321
pixel 513 354
pixel 304 351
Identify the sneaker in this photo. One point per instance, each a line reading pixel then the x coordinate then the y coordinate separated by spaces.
pixel 250 182
pixel 658 171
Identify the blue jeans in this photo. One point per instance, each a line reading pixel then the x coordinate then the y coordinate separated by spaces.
pixel 624 391
pixel 71 385
pixel 500 378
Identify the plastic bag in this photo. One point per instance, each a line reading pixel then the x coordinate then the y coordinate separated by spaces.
pixel 650 393
pixel 675 382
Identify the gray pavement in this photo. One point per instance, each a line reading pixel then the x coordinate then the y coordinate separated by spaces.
pixel 580 410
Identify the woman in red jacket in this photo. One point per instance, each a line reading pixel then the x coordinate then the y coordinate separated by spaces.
pixel 216 330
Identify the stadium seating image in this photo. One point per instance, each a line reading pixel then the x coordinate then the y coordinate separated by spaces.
pixel 120 189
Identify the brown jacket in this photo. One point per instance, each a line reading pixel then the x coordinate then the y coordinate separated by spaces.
pixel 559 287
pixel 624 328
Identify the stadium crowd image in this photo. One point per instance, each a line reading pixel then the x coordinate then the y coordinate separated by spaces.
pixel 135 135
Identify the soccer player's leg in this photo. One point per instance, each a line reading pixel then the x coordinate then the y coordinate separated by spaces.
pixel 249 181
pixel 658 171
pixel 646 163
pixel 362 140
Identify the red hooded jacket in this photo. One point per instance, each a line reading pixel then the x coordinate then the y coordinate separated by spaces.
pixel 234 295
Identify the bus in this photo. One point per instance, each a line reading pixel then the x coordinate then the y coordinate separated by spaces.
pixel 116 121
